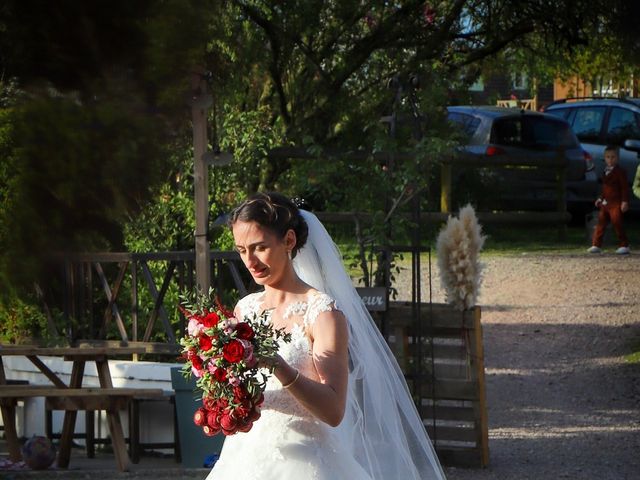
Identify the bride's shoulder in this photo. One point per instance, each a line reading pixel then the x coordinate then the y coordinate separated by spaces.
pixel 249 304
pixel 318 303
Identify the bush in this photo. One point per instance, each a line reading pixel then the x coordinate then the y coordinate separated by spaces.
pixel 21 322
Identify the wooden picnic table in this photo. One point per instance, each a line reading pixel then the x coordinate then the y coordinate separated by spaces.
pixel 72 397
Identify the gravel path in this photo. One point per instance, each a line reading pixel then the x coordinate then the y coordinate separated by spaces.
pixel 562 400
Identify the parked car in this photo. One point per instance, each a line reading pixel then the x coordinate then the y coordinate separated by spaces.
pixel 598 122
pixel 516 135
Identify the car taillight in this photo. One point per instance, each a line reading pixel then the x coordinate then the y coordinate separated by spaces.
pixel 588 160
pixel 493 150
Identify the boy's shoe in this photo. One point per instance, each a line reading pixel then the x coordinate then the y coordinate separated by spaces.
pixel 594 249
pixel 623 251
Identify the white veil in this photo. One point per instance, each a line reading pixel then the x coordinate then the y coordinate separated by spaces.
pixel 381 423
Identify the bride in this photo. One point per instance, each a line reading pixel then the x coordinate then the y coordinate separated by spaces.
pixel 337 406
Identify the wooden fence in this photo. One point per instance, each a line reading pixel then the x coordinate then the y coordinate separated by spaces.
pixel 443 361
pixel 522 104
pixel 558 165
pixel 93 285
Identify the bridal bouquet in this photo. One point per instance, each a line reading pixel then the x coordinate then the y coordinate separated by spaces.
pixel 222 352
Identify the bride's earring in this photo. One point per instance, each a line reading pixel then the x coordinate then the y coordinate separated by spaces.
pixel 289 254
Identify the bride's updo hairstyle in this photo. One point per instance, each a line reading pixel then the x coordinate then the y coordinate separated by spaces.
pixel 274 212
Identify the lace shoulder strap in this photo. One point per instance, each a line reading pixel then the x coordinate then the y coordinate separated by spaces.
pixel 318 303
pixel 249 305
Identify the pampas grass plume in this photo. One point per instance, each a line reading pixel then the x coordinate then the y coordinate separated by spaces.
pixel 458 248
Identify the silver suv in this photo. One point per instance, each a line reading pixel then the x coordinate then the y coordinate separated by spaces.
pixel 512 134
pixel 598 122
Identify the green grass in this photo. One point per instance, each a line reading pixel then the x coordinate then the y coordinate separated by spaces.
pixel 519 240
pixel 502 240
pixel 634 356
pixel 573 239
pixel 523 239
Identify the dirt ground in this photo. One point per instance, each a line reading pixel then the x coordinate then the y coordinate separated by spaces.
pixel 562 400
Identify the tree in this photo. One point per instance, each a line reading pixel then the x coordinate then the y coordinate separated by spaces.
pixel 93 106
pixel 103 87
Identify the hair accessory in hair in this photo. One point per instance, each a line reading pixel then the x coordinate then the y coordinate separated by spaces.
pixel 301 203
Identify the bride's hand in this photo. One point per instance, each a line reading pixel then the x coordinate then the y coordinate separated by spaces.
pixel 284 372
pixel 270 362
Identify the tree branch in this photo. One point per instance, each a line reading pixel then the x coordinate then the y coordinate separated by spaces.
pixel 271 31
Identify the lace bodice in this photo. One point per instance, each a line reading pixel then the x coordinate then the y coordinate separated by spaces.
pixel 307 311
pixel 298 352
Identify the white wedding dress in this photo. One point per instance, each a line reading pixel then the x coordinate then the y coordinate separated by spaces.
pixel 287 442
pixel 381 437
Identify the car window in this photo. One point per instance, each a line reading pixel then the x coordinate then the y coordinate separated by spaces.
pixel 587 123
pixel 469 123
pixel 623 124
pixel 560 112
pixel 533 132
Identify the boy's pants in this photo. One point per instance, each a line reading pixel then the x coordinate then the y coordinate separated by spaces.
pixel 610 213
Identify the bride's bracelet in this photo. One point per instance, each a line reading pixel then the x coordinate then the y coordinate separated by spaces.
pixel 295 379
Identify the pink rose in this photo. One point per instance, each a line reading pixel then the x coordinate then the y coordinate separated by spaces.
pixel 194 327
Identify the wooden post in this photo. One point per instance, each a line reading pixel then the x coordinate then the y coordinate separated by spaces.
pixel 199 103
pixel 8 409
pixel 483 427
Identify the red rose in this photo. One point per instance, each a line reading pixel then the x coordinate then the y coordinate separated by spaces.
pixel 243 410
pixel 205 343
pixel 212 420
pixel 233 351
pixel 244 331
pixel 210 432
pixel 220 374
pixel 200 417
pixel 208 402
pixel 254 414
pixel 228 423
pixel 196 362
pixel 245 426
pixel 240 393
pixel 211 319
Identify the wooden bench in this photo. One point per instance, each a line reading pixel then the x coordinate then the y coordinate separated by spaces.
pixel 71 396
pixel 89 398
pixel 86 399
pixel 136 397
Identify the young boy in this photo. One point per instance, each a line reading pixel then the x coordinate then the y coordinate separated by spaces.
pixel 612 202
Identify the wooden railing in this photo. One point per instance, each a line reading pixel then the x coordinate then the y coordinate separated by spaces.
pixel 523 104
pixel 91 280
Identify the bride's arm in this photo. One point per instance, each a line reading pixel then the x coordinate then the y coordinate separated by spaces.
pixel 325 398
